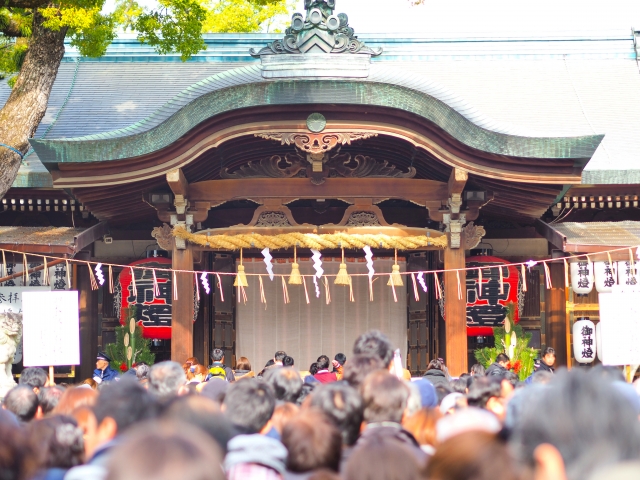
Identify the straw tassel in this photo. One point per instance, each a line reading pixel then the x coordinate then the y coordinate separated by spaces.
pixel 566 273
pixel 460 285
pixel 295 278
pixel 524 277
pixel 501 281
pixel 395 279
pixel 327 292
pixel 45 280
pixel 195 279
pixel 25 270
pixel 351 297
pixel 342 278
pixel 415 287
pixel 632 264
pixel 241 277
pixel 263 298
pixel 156 287
pixel 220 289
pixel 66 262
pixel 393 287
pixel 480 282
pixel 4 265
pixel 175 286
pixel 134 289
pixel 110 279
pixel 285 292
pixel 547 276
pixel 306 293
pixel 92 278
pixel 438 288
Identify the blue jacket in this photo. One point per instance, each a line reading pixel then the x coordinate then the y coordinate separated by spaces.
pixel 107 375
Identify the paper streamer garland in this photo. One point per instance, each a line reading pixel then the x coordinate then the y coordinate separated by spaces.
pixel 368 254
pixel 205 282
pixel 421 281
pixel 267 261
pixel 317 265
pixel 99 275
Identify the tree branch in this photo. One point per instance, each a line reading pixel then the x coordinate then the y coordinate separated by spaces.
pixel 24 3
pixel 12 30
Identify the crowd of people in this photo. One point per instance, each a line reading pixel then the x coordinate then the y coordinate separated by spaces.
pixel 349 418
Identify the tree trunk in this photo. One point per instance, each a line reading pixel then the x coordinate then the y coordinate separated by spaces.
pixel 27 104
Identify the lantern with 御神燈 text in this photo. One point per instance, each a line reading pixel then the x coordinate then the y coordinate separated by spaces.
pixel 606 275
pixel 584 340
pixel 581 277
pixel 627 274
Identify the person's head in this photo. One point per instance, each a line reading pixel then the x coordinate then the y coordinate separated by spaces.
pixel 166 452
pixel 282 414
pixel 18 460
pixel 486 393
pixel 203 413
pixel 312 441
pixel 382 458
pixel 57 441
pixel 285 382
pixel 142 371
pixel 73 398
pixel 510 381
pixel 458 385
pixel 542 377
pixel 341 358
pixel 121 405
pixel 217 355
pixel 502 359
pixel 575 425
pixel 215 389
pixel 323 362
pixel 313 368
pixel 477 369
pixel 342 405
pixel 359 366
pixel 34 377
pixel 466 420
pixel 384 397
pixel 249 405
pixel 549 356
pixel 307 389
pixel 243 364
pixel 436 364
pixel 288 361
pixel 192 361
pixel 22 401
pixel 197 373
pixel 477 455
pixel 376 343
pixel 102 361
pixel 49 397
pixel 166 378
pixel 91 383
pixel 422 425
pixel 279 356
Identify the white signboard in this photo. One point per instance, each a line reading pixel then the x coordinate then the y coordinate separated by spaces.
pixel 620 328
pixel 51 328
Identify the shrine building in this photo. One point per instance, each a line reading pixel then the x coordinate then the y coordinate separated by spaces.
pixel 491 151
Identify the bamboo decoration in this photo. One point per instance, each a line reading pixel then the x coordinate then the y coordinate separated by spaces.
pixel 295 278
pixel 241 277
pixel 395 279
pixel 342 278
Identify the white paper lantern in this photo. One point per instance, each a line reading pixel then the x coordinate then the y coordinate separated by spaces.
pixel 584 341
pixel 599 340
pixel 582 277
pixel 626 274
pixel 606 276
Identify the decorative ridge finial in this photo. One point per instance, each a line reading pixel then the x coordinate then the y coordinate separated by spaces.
pixel 320 31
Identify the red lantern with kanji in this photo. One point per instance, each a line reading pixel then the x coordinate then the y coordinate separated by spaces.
pixel 153 309
pixel 486 302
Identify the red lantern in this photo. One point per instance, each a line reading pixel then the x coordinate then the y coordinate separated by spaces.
pixel 486 303
pixel 153 312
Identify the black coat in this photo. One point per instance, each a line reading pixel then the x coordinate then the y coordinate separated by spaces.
pixel 495 370
pixel 543 367
pixel 436 377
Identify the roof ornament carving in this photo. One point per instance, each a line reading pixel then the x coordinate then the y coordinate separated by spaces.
pixel 319 31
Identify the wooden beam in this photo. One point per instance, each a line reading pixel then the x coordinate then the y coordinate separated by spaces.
pixel 178 182
pixel 556 315
pixel 182 308
pixel 457 181
pixel 219 191
pixel 455 312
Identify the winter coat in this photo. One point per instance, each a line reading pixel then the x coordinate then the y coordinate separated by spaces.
pixel 229 376
pixel 495 370
pixel 106 375
pixel 436 377
pixel 325 376
pixel 392 431
pixel 255 449
pixel 543 367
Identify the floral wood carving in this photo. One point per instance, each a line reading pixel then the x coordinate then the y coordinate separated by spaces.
pixel 365 167
pixel 272 167
pixel 472 235
pixel 164 237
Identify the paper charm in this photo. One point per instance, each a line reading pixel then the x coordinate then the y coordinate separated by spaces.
pixel 99 274
pixel 267 261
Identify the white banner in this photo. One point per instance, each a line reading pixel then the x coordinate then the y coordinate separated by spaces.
pixel 51 328
pixel 620 328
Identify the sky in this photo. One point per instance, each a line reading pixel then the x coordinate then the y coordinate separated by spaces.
pixel 487 18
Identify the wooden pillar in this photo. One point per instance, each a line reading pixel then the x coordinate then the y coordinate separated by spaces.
pixel 556 315
pixel 182 307
pixel 455 310
pixel 88 313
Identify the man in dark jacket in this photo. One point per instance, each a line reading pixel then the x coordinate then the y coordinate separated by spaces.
pixel 218 369
pixel 499 367
pixel 103 371
pixel 385 400
pixel 547 361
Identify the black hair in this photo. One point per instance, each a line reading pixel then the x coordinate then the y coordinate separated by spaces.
pixel 217 355
pixel 249 404
pixel 359 366
pixel 502 357
pixel 307 389
pixel 279 356
pixel 374 342
pixel 286 383
pixel 34 377
pixel 287 361
pixel 459 385
pixel 436 364
pixel 341 358
pixel 482 389
pixel 22 402
pixel 548 351
pixel 126 402
pixel 512 378
pixel 442 391
pixel 323 362
pixel 477 369
pixel 342 405
pixel 49 397
pixel 313 368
